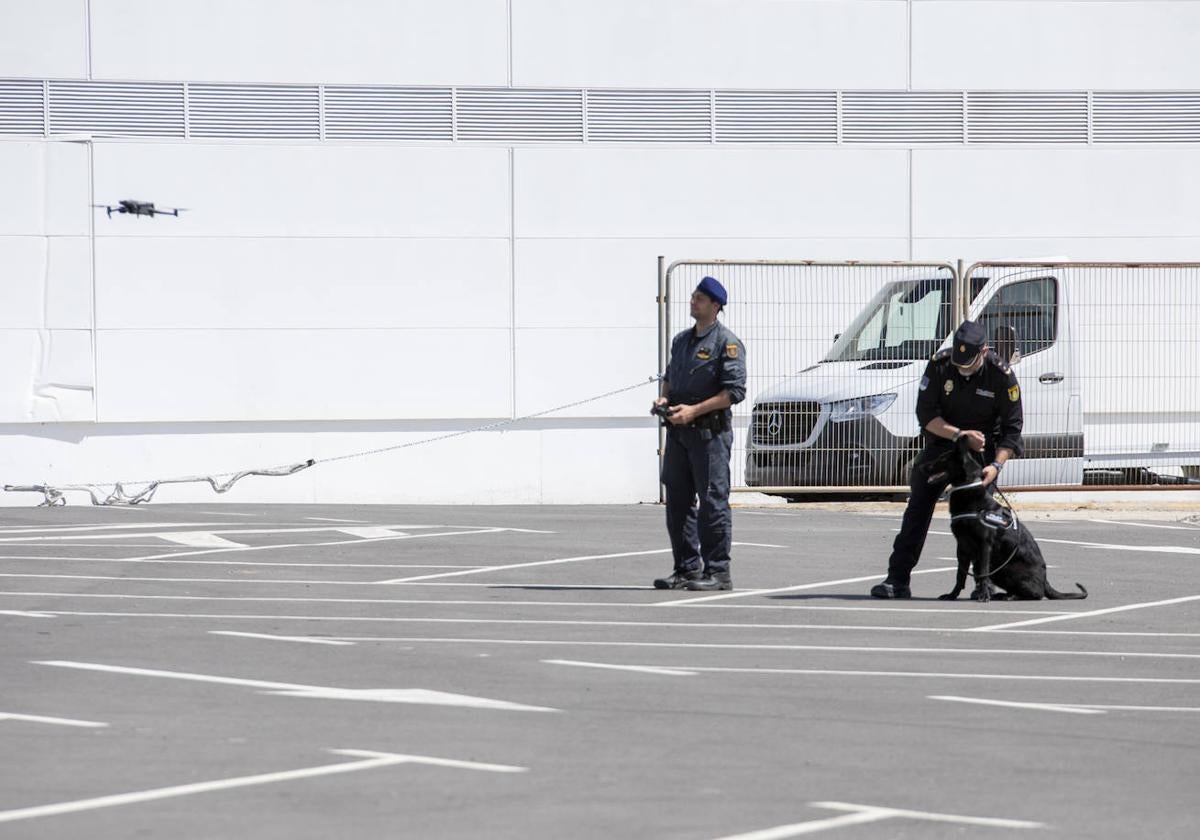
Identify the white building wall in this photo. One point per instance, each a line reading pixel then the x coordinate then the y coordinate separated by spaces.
pixel 321 298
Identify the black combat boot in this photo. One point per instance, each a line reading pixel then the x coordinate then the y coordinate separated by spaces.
pixel 887 589
pixel 678 579
pixel 711 581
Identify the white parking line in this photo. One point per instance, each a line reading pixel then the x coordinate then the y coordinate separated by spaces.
pixel 1088 614
pixel 1011 704
pixel 818 585
pixel 57 721
pixel 368 760
pixel 642 669
pixel 124 526
pixel 168 560
pixel 482 569
pixel 26 614
pixel 947 675
pixel 1191 528
pixel 838 628
pixel 305 639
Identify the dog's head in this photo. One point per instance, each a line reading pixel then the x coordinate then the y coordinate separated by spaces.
pixel 958 465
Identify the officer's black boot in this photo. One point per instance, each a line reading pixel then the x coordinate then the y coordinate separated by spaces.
pixel 711 581
pixel 678 579
pixel 887 589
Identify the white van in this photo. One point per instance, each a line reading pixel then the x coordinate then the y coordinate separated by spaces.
pixel 850 420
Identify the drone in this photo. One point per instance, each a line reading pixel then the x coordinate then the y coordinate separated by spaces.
pixel 139 208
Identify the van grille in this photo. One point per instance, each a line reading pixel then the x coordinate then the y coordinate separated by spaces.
pixel 784 423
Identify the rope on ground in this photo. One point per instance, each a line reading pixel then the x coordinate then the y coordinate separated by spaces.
pixel 55 494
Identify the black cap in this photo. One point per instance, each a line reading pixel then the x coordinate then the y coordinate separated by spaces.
pixel 968 339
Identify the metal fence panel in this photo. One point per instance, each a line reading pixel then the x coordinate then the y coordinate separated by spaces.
pixel 1107 363
pixel 835 352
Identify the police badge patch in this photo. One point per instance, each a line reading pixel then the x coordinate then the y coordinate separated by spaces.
pixel 949 386
pixel 924 382
pixel 1014 393
pixel 731 350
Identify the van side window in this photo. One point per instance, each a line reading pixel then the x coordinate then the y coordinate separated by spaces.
pixel 1030 307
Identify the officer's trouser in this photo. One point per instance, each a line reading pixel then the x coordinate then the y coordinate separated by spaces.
pixel 923 496
pixel 696 464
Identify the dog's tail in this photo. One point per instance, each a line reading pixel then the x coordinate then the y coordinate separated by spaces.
pixel 1054 595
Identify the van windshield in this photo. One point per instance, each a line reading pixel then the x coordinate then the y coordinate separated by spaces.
pixel 906 320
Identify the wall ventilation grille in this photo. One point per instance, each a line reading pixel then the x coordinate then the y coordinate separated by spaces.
pixel 667 116
pixel 574 115
pixel 1158 117
pixel 386 113
pixel 22 107
pixel 1028 117
pixel 902 117
pixel 776 116
pixel 255 111
pixel 132 109
pixel 520 114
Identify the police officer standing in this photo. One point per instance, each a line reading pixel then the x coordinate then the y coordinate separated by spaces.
pixel 706 375
pixel 970 392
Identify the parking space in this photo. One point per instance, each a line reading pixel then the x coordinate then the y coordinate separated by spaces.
pixel 307 671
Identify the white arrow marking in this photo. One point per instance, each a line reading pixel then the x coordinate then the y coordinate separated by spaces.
pixel 860 814
pixel 87 724
pixel 307 639
pixel 643 669
pixel 1041 707
pixel 370 533
pixel 369 760
pixel 318 692
pixel 198 539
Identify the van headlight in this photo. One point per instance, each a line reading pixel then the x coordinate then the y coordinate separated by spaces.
pixel 840 412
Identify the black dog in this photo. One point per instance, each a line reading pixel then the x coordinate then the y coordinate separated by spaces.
pixel 1002 549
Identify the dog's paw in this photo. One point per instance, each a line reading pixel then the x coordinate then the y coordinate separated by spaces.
pixel 983 594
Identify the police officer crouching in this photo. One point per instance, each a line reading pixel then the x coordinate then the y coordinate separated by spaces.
pixel 967 391
pixel 706 375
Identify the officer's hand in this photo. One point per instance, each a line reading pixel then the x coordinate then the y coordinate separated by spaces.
pixel 681 415
pixel 990 474
pixel 657 403
pixel 975 440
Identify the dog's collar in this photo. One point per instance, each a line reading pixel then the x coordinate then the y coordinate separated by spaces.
pixel 972 485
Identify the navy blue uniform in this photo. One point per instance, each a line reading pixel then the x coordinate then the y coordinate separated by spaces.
pixel 989 401
pixel 696 460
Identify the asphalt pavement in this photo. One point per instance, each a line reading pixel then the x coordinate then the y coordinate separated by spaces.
pixel 305 671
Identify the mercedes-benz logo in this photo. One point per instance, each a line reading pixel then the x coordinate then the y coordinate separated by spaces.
pixel 774 423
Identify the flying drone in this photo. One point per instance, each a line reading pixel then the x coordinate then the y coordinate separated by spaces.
pixel 139 208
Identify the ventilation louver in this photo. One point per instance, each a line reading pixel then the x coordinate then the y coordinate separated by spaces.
pixel 385 113
pixel 254 111
pixel 22 107
pixel 771 116
pixel 520 114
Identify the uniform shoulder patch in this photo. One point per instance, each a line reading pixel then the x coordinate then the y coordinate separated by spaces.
pixel 1014 393
pixel 732 350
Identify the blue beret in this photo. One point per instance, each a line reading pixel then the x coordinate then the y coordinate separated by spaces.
pixel 713 288
pixel 968 338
